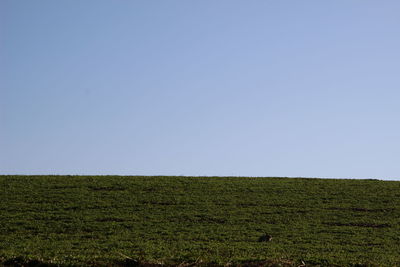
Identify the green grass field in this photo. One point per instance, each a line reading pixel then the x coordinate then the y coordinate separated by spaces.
pixel 121 220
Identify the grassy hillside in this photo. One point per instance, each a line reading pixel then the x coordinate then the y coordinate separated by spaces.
pixel 88 220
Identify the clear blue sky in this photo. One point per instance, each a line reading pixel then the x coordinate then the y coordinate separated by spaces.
pixel 247 88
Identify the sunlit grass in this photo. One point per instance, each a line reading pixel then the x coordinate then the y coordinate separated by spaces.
pixel 98 220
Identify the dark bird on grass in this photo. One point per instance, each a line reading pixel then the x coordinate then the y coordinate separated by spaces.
pixel 265 238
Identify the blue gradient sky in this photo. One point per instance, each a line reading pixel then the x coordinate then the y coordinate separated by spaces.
pixel 247 88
